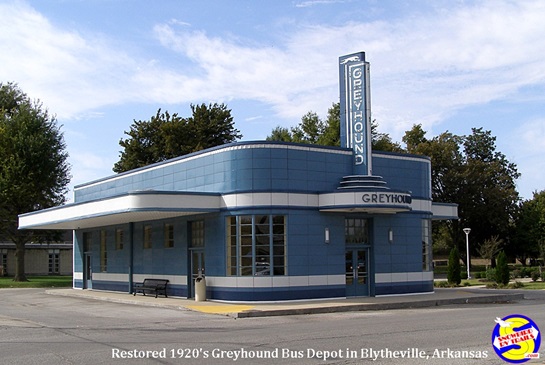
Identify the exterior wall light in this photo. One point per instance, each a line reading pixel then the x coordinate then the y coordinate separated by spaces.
pixel 326 235
pixel 390 235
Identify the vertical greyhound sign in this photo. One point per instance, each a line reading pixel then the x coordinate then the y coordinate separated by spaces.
pixel 355 108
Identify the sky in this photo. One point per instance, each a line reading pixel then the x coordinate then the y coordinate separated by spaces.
pixel 449 65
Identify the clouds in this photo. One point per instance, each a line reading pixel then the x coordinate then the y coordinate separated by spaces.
pixel 424 66
pixel 70 72
pixel 426 63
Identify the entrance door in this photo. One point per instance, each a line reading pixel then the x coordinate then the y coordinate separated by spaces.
pixel 88 271
pixel 197 267
pixel 357 274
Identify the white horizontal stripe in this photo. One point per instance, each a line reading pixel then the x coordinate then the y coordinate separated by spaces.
pixel 274 281
pixel 403 277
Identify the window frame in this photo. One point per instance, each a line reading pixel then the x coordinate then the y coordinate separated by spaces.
pixel 168 231
pixel 147 234
pixel 256 245
pixel 103 250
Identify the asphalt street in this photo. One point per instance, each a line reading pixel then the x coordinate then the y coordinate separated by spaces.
pixel 36 328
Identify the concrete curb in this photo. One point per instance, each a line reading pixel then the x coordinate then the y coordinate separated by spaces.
pixel 500 298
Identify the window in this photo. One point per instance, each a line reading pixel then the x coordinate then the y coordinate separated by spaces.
pixel 119 237
pixel 169 235
pixel 103 251
pixel 426 245
pixel 3 261
pixel 54 261
pixel 87 241
pixel 256 245
pixel 356 231
pixel 147 237
pixel 197 234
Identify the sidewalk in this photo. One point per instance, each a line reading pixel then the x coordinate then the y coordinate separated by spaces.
pixel 246 310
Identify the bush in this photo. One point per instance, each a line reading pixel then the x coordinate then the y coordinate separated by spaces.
pixel 478 275
pixel 516 285
pixel 535 275
pixel 466 283
pixel 453 269
pixel 516 274
pixel 525 272
pixel 490 274
pixel 502 269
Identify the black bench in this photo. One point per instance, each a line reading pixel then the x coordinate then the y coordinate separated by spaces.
pixel 157 286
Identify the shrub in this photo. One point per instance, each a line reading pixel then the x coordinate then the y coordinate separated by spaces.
pixel 516 285
pixel 516 274
pixel 502 269
pixel 441 284
pixel 478 275
pixel 490 275
pixel 525 272
pixel 453 269
pixel 535 275
pixel 466 283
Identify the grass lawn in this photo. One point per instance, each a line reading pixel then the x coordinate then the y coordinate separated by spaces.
pixel 37 282
pixel 536 285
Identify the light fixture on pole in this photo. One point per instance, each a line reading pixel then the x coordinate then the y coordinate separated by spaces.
pixel 466 231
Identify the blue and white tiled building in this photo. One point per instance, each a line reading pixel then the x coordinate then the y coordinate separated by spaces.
pixel 263 221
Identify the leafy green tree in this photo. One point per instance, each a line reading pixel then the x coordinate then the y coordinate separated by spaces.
pixel 488 200
pixel 502 269
pixel 166 136
pixel 280 134
pixel 383 141
pixel 34 172
pixel 454 276
pixel 332 131
pixel 529 231
pixel 309 130
pixel 313 130
pixel 468 170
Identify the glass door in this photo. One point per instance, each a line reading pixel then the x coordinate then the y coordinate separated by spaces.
pixel 357 274
pixel 197 268
pixel 88 271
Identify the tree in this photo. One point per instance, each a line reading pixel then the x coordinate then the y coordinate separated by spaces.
pixel 332 131
pixel 502 269
pixel 468 170
pixel 309 130
pixel 34 172
pixel 383 141
pixel 454 275
pixel 313 130
pixel 490 248
pixel 167 136
pixel 488 200
pixel 529 232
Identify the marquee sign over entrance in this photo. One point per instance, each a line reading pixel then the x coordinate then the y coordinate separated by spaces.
pixel 355 110
pixel 380 202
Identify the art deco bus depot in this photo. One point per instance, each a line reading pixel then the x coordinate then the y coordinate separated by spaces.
pixel 263 221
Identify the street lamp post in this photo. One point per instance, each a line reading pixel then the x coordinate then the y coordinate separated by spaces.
pixel 466 231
